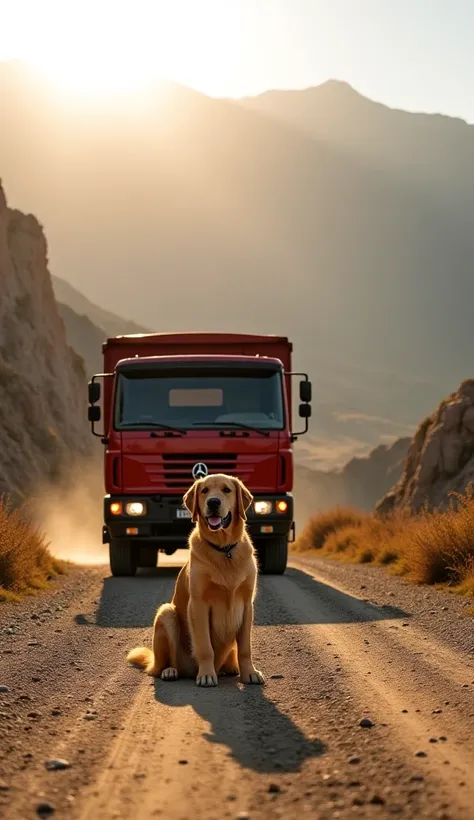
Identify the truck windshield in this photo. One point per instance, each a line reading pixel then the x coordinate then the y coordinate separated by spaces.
pixel 205 398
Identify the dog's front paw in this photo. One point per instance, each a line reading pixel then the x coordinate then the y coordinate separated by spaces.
pixel 252 676
pixel 206 680
pixel 169 674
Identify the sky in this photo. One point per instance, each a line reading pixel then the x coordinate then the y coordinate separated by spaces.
pixel 411 54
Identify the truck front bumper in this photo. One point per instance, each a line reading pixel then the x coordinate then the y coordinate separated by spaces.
pixel 167 522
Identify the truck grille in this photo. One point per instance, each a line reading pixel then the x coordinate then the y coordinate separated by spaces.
pixel 178 467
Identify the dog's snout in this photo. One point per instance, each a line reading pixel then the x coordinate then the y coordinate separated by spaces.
pixel 214 503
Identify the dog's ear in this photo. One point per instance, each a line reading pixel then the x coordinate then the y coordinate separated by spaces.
pixel 244 498
pixel 191 501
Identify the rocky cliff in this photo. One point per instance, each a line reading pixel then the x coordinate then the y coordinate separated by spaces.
pixel 42 380
pixel 440 459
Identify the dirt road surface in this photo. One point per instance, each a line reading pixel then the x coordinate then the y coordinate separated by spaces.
pixel 337 644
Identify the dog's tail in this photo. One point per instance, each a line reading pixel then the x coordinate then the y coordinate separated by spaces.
pixel 143 657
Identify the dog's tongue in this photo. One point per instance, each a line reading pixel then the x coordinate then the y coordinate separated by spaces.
pixel 214 520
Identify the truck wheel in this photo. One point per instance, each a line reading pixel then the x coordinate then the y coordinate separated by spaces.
pixel 148 557
pixel 273 555
pixel 123 559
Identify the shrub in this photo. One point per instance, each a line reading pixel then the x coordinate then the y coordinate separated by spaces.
pixel 26 563
pixel 324 524
pixel 432 547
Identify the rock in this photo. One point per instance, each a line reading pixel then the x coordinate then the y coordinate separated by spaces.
pixel 45 809
pixel 90 717
pixel 43 400
pixel 366 723
pixel 453 414
pixel 54 764
pixel 468 420
pixel 354 760
pixel 276 677
pixel 56 712
pixel 274 788
pixel 421 754
pixel 4 787
pixel 452 446
pixel 182 762
pixel 440 458
pixel 377 800
pixel 4 689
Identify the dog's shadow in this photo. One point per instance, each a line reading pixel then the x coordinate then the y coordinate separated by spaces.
pixel 257 735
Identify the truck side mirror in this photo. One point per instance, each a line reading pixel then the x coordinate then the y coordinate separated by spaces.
pixel 93 413
pixel 304 411
pixel 94 392
pixel 305 392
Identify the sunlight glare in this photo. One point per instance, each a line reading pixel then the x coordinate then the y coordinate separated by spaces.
pixel 120 47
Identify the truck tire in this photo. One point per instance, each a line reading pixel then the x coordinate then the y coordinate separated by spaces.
pixel 273 555
pixel 148 557
pixel 123 560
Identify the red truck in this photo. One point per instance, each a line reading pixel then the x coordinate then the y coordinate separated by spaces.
pixel 178 406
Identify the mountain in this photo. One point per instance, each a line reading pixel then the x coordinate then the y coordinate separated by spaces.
pixel 361 482
pixel 430 151
pixel 43 418
pixel 84 337
pixel 69 298
pixel 88 325
pixel 186 212
pixel 440 460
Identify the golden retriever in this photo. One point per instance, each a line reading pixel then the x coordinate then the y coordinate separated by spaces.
pixel 206 630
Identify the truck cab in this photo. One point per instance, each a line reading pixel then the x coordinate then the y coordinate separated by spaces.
pixel 177 407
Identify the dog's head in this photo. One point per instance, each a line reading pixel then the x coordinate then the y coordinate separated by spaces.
pixel 218 502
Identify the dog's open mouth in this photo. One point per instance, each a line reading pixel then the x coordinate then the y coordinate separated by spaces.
pixel 215 522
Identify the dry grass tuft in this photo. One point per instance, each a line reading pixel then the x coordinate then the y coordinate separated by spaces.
pixel 26 564
pixel 430 548
pixel 321 526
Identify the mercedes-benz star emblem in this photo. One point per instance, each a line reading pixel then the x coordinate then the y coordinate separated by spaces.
pixel 200 470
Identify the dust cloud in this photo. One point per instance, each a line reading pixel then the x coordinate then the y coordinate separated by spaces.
pixel 70 516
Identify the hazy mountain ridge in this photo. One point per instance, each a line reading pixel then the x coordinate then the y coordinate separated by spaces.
pixel 360 483
pixel 222 217
pixel 43 425
pixel 433 149
pixel 110 323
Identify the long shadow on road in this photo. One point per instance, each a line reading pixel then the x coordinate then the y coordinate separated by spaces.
pixel 132 602
pixel 241 718
pixel 257 735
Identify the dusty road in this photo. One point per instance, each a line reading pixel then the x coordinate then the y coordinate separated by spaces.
pixel 337 645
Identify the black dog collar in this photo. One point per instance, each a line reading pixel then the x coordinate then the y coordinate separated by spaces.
pixel 227 549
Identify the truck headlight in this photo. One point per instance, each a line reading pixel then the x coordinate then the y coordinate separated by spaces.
pixel 263 507
pixel 135 508
pixel 282 506
pixel 116 508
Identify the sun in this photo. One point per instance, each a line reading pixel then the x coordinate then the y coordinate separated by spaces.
pixel 102 46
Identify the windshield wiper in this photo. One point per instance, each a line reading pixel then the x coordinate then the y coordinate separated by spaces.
pixel 238 424
pixel 151 425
